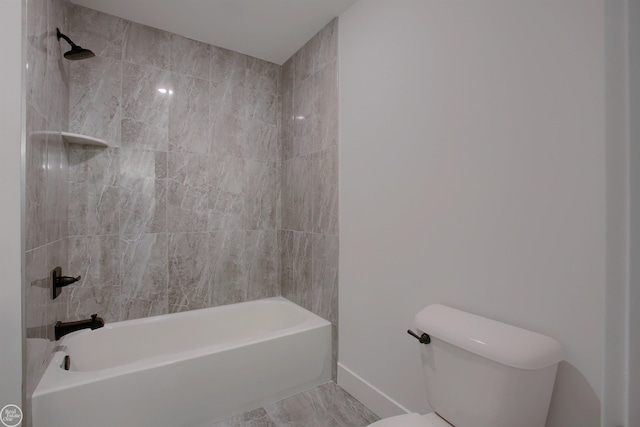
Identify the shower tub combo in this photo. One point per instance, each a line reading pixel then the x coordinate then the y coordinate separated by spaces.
pixel 186 369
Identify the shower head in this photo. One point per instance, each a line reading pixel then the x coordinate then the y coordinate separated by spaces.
pixel 76 53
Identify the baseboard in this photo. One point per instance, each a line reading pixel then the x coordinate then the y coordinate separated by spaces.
pixel 381 404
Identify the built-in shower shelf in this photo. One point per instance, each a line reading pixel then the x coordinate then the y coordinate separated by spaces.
pixel 74 138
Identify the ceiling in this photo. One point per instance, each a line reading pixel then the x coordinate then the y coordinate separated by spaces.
pixel 272 30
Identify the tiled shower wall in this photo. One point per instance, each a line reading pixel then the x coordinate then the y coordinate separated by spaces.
pixel 46 186
pixel 308 220
pixel 201 201
pixel 181 213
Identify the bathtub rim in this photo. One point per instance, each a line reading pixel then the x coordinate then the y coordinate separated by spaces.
pixel 56 378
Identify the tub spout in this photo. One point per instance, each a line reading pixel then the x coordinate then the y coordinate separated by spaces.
pixel 61 329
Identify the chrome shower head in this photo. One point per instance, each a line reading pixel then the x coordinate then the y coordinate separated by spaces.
pixel 76 53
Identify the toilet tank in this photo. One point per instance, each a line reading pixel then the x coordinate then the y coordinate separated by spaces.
pixel 484 373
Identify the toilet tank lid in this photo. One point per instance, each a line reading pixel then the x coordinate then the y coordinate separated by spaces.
pixel 497 341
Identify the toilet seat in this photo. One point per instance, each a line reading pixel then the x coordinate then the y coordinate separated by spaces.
pixel 412 420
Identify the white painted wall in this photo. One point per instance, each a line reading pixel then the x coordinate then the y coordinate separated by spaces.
pixel 11 123
pixel 634 272
pixel 472 173
pixel 614 400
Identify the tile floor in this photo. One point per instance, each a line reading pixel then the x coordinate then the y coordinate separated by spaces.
pixel 324 406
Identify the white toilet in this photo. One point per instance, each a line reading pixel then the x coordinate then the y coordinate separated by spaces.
pixel 482 373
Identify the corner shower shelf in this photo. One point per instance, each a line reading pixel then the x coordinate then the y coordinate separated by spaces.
pixel 74 138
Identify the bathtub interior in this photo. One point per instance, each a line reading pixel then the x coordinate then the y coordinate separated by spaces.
pixel 281 349
pixel 152 338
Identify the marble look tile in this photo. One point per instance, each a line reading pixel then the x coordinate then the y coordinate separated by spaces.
pixel 262 260
pixel 343 407
pixel 262 76
pixel 325 192
pixel 228 117
pixel 287 75
pixel 279 196
pixel 56 188
pixel 297 194
pixel 325 405
pixel 63 206
pixel 190 57
pixel 264 107
pixel 35 180
pixel 46 192
pixel 324 277
pixel 161 165
pixel 95 96
pixel 315 103
pixel 309 271
pixel 94 166
pixel 244 121
pixel 96 259
pixel 37 38
pixel 316 53
pixel 37 350
pixel 262 119
pixel 334 351
pixel 189 271
pixel 93 210
pixel 146 45
pixel 41 312
pixel 188 192
pixel 57 106
pixel 228 282
pixel 259 195
pixel 138 134
pixel 143 192
pixel 262 141
pixel 57 255
pixel 145 109
pixel 256 418
pixel 228 67
pixel 189 125
pixel 300 411
pixel 287 127
pixel 37 293
pixel 100 32
pixel 144 275
pixel 227 193
pixel 103 301
pixel 295 267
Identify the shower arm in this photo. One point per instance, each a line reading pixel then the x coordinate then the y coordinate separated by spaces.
pixel 67 39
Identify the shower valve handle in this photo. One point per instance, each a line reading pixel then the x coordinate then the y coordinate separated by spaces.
pixel 66 280
pixel 58 281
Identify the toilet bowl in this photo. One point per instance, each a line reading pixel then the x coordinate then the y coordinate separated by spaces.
pixel 502 375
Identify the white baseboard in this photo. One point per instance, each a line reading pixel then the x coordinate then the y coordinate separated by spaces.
pixel 381 404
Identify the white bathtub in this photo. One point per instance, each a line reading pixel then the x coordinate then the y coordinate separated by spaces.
pixel 186 369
